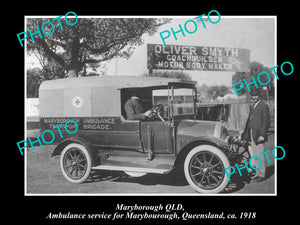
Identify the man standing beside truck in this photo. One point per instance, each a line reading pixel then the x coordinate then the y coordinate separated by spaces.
pixel 256 130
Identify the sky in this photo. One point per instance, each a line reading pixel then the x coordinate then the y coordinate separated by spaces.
pixel 255 33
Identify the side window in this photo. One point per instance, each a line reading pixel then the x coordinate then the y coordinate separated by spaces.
pixel 183 101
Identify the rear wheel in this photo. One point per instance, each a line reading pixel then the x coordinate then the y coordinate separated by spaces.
pixel 204 169
pixel 135 174
pixel 75 163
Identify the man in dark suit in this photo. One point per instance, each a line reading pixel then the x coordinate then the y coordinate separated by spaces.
pixel 255 132
pixel 134 109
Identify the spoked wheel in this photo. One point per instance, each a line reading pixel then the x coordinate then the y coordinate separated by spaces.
pixel 204 169
pixel 75 163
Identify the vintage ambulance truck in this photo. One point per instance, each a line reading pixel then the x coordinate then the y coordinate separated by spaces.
pixel 107 140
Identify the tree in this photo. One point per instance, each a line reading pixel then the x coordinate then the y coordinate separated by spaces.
pixel 90 40
pixel 202 91
pixel 218 90
pixel 34 79
pixel 255 69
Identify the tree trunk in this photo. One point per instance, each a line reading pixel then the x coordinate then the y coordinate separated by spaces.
pixel 72 73
pixel 75 66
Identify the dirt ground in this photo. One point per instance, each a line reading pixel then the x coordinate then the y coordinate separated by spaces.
pixel 43 176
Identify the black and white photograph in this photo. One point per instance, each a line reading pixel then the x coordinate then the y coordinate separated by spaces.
pixel 110 107
pixel 155 118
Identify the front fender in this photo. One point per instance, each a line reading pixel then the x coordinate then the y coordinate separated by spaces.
pixel 191 131
pixel 217 142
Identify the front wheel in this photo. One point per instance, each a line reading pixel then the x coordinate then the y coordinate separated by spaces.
pixel 204 169
pixel 75 163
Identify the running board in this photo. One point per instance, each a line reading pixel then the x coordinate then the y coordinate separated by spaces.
pixel 131 169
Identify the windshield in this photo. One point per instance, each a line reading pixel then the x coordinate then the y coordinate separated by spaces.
pixel 183 100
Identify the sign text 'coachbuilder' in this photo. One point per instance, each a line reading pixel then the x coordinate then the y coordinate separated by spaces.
pixel 180 57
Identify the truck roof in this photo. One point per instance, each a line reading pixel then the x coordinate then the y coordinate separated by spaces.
pixel 112 81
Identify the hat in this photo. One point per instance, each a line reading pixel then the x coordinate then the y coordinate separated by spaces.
pixel 255 92
pixel 134 93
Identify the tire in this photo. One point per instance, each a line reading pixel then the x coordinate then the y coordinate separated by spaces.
pixel 135 174
pixel 204 169
pixel 75 163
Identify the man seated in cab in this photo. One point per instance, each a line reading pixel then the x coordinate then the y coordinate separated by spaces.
pixel 134 109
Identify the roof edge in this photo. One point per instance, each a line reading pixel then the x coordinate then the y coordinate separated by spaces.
pixel 111 81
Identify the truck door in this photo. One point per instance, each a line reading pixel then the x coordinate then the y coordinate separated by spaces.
pixel 157 135
pixel 126 135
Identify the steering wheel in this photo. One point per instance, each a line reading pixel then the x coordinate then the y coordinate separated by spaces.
pixel 157 112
